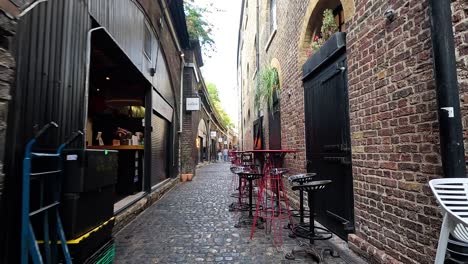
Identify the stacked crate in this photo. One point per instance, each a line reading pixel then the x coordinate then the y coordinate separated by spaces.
pixel 87 208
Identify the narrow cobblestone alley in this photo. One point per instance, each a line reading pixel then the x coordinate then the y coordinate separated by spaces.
pixel 192 224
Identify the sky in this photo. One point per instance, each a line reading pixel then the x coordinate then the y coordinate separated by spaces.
pixel 221 67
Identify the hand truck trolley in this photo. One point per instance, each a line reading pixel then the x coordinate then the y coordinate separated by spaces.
pixel 49 200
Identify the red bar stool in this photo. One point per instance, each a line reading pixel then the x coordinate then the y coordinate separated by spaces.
pixel 270 208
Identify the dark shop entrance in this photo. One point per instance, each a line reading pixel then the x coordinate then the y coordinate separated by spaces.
pixel 115 119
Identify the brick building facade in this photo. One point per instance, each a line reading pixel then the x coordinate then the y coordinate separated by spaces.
pixel 198 143
pixel 392 110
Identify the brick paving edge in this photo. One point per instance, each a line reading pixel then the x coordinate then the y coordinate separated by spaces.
pixel 125 217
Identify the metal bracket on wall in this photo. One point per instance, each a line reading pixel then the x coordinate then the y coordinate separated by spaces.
pixel 341 160
pixel 348 226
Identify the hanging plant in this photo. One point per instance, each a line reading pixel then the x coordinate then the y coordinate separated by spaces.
pixel 329 27
pixel 267 85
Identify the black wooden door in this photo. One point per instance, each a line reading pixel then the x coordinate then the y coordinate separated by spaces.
pixel 328 144
pixel 274 126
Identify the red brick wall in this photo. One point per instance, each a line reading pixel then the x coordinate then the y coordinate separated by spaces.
pixel 394 131
pixel 460 22
pixel 395 138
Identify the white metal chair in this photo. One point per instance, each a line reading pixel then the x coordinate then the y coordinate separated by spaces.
pixel 452 196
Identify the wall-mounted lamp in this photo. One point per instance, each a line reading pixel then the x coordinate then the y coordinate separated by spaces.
pixel 152 71
pixel 107 78
pixel 390 15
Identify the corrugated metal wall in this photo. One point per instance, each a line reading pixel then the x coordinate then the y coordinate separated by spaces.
pixel 50 52
pixel 126 22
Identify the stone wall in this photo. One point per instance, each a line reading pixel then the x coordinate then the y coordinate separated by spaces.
pixel 248 73
pixel 7 70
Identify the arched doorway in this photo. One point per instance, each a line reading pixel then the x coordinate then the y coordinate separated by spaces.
pixel 328 141
pixel 343 11
pixel 201 141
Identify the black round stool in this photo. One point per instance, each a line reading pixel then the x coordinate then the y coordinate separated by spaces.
pixel 310 230
pixel 250 176
pixel 301 179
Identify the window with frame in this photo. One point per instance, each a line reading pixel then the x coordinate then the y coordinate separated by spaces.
pixel 148 42
pixel 272 15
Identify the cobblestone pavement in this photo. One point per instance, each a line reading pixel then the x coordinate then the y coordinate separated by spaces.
pixel 192 224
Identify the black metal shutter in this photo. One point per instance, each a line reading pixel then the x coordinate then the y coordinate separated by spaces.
pixel 274 127
pixel 160 139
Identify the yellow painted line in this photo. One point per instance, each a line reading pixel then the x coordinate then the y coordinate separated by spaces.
pixel 78 240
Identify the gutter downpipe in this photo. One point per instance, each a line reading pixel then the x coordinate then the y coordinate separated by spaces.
pixel 88 68
pixel 182 64
pixel 182 67
pixel 448 101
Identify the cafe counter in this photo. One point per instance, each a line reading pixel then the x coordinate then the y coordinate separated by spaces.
pixel 130 168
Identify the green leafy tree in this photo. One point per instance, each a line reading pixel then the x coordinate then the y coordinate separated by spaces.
pixel 214 97
pixel 198 26
pixel 213 92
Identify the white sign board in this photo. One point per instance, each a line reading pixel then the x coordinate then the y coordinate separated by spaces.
pixel 225 142
pixel 193 104
pixel 220 140
pixel 213 134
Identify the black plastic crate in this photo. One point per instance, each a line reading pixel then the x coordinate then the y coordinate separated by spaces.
pixel 82 212
pixel 88 169
pixel 104 255
pixel 92 245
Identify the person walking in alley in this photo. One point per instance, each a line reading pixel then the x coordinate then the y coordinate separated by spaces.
pixel 225 154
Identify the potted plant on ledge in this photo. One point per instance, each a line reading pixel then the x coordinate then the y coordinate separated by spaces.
pixel 328 44
pixel 267 86
pixel 329 27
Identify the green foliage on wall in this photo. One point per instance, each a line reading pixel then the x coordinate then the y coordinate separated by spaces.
pixel 267 85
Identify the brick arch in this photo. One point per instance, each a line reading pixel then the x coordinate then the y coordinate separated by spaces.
pixel 310 22
pixel 276 64
pixel 202 128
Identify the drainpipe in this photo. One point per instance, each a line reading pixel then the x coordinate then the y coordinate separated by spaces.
pixel 29 8
pixel 181 103
pixel 182 61
pixel 258 39
pixel 448 101
pixel 87 73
